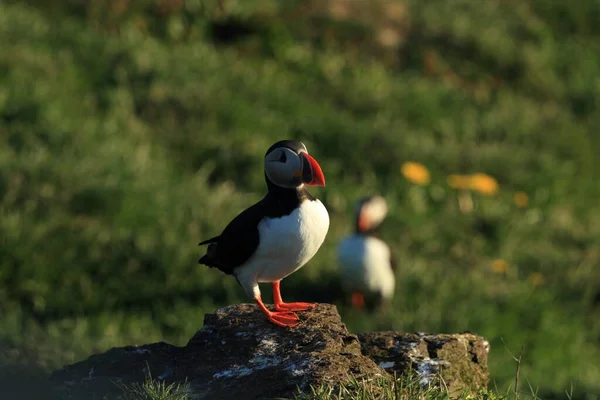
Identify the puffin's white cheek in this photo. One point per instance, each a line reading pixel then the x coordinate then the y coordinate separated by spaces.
pixel 376 212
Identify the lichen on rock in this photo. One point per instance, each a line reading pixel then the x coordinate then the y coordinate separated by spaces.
pixel 459 359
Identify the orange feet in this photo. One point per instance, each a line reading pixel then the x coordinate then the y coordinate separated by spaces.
pixel 284 318
pixel 358 300
pixel 294 306
pixel 281 306
pixel 278 318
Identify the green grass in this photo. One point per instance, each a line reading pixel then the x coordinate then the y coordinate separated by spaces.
pixel 406 387
pixel 151 389
pixel 403 388
pixel 129 134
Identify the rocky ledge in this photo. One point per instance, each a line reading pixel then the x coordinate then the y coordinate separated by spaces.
pixel 460 360
pixel 239 354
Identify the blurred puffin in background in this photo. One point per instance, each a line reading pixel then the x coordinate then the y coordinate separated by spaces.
pixel 365 261
pixel 279 234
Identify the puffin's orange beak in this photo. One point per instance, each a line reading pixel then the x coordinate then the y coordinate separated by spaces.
pixel 363 222
pixel 312 175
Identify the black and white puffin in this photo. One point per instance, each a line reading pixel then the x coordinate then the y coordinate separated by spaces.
pixel 279 234
pixel 366 262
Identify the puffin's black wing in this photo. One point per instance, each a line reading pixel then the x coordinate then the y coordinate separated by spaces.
pixel 238 241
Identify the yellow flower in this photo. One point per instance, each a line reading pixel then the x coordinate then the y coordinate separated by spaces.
pixel 459 181
pixel 416 173
pixel 521 199
pixel 499 266
pixel 484 184
pixel 536 279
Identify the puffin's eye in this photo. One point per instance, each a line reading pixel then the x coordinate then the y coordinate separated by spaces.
pixel 282 157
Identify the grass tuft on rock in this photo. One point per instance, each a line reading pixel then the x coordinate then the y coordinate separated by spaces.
pixel 152 389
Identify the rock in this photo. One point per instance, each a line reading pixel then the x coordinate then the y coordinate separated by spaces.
pixel 237 354
pixel 460 359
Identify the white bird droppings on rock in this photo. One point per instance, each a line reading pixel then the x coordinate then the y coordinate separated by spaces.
pixel 90 374
pixel 298 369
pixel 165 374
pixel 140 351
pixel 428 369
pixel 269 344
pixel 233 373
pixel 387 364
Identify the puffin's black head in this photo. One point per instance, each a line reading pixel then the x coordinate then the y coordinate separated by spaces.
pixel 288 165
pixel 370 212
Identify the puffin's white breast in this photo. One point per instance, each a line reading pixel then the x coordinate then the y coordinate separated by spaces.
pixel 289 242
pixel 364 263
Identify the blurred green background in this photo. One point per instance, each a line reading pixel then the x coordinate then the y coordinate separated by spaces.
pixel 131 130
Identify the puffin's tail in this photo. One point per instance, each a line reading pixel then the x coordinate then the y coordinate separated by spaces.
pixel 204 260
pixel 209 241
pixel 207 259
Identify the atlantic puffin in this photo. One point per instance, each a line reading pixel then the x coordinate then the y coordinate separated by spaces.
pixel 279 234
pixel 365 261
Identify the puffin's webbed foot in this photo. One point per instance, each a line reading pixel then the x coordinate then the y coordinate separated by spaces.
pixel 284 318
pixel 278 318
pixel 299 306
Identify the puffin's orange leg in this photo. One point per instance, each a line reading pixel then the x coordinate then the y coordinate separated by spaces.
pixel 281 306
pixel 278 318
pixel 358 300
